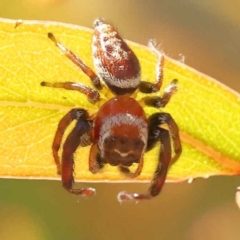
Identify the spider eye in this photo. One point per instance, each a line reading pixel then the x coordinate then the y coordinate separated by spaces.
pixel 109 139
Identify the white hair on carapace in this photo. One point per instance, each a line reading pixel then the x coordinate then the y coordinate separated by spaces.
pixel 118 120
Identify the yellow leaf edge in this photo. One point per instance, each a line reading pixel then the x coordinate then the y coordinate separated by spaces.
pixel 227 162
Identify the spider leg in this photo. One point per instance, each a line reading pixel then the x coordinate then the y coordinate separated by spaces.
pixel 74 114
pixel 75 59
pixel 165 159
pixel 160 102
pixel 147 87
pixel 95 161
pixel 165 118
pixel 72 142
pixel 164 162
pixel 93 95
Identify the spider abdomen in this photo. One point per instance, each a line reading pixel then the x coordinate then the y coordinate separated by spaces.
pixel 114 61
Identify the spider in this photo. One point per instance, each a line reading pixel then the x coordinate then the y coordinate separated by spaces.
pixel 119 133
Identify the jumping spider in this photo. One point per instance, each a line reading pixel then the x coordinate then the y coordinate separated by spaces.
pixel 120 133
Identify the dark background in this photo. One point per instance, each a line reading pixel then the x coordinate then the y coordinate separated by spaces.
pixel 207 33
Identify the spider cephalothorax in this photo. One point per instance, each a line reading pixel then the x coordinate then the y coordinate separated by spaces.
pixel 120 133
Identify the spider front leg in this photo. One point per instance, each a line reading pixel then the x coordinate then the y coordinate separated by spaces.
pixel 165 118
pixel 160 102
pixel 165 157
pixel 72 142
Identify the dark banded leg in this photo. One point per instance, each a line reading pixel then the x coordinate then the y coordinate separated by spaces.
pixel 72 142
pixel 165 159
pixel 147 87
pixel 165 118
pixel 75 59
pixel 160 102
pixel 163 165
pixel 93 95
pixel 74 114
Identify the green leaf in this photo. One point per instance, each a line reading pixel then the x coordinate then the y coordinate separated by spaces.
pixel 207 112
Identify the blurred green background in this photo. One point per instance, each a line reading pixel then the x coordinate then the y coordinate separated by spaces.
pixel 207 33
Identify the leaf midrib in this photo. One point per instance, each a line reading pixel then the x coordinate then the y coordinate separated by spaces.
pixel 229 163
pixel 226 162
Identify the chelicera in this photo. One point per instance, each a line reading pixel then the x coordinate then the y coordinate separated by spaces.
pixel 120 132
